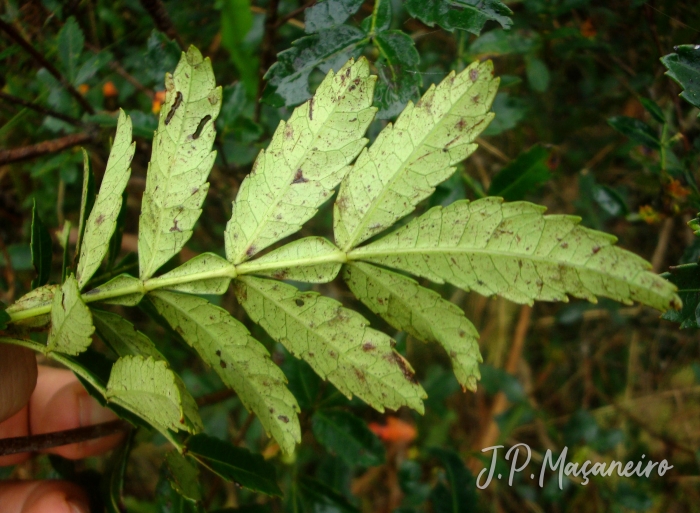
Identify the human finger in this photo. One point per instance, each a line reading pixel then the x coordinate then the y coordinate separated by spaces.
pixel 42 497
pixel 18 374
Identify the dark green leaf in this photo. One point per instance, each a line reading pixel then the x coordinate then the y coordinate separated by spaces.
pixel 234 463
pixel 509 112
pixel 70 46
pixel 381 17
pixel 87 200
pixel 687 279
pixel 91 66
pixel 610 200
pixel 684 68
pixel 500 42
pixel 458 494
pixel 470 15
pixel 113 479
pixel 636 130
pixel 303 381
pixel 522 175
pixel 168 500
pixel 329 13
pixel 41 247
pixel 232 106
pixel 398 74
pixel 347 436
pixel 537 75
pixel 183 476
pixel 317 497
pixel 288 78
pixel 653 108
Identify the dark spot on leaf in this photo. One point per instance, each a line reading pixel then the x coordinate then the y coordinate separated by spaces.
pixel 398 359
pixel 100 219
pixel 332 354
pixel 299 302
pixel 299 177
pixel 564 245
pixel 175 227
pixel 311 108
pixel 596 249
pixel 368 346
pixel 453 354
pixel 280 274
pixel 250 251
pixel 218 353
pixel 462 333
pixel 223 364
pixel 283 418
pixel 474 75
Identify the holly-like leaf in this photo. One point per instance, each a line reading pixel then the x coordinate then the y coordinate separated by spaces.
pixel 338 343
pixel 180 163
pixel 408 159
pixel 347 436
pixel 102 220
pixel 687 278
pixel 470 15
pixel 120 335
pixel 288 78
pixel 513 250
pixel 234 464
pixel 292 262
pixel 241 362
pixel 71 321
pixel 307 157
pixel 42 250
pixel 684 67
pixel 328 14
pixel 421 313
pixel 150 389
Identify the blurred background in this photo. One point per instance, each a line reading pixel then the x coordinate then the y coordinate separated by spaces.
pixel 587 123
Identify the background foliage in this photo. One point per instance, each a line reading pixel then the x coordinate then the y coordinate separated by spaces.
pixel 587 123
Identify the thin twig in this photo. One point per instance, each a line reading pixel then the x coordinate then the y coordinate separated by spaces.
pixel 43 148
pixel 34 443
pixel 157 12
pixel 14 34
pixel 39 108
pixel 284 19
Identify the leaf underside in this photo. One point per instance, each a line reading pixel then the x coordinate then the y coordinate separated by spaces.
pixel 241 362
pixel 71 321
pixel 408 159
pixel 513 250
pixel 181 160
pixel 307 157
pixel 338 343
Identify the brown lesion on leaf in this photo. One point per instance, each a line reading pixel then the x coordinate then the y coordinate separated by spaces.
pixel 175 227
pixel 250 251
pixel 223 364
pixel 299 177
pixel 311 109
pixel 368 346
pixel 299 302
pixel 596 249
pixel 401 363
pixel 100 219
pixel 283 418
pixel 474 75
pixel 280 274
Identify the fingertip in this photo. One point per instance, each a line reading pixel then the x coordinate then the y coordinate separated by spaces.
pixel 43 497
pixel 18 377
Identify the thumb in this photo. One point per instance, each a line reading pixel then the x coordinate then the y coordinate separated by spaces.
pixel 17 378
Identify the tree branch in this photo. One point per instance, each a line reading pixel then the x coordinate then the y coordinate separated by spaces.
pixel 34 443
pixel 17 37
pixel 43 148
pixel 157 12
pixel 39 108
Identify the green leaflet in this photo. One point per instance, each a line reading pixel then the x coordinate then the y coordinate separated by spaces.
pixel 347 436
pixel 420 312
pixel 87 201
pixel 183 476
pixel 71 321
pixel 121 282
pixel 180 162
pixel 241 362
pixel 684 68
pixel 408 159
pixel 154 392
pixel 513 250
pixel 205 263
pixel 470 15
pixel 122 337
pixel 307 157
pixel 103 218
pixel 38 297
pixel 291 262
pixel 338 343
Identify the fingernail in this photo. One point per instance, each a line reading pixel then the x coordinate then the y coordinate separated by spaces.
pixel 92 413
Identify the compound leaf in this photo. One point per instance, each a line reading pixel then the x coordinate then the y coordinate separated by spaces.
pixel 421 313
pixel 123 282
pixel 408 159
pixel 291 262
pixel 241 362
pixel 684 67
pixel 208 263
pixel 149 388
pixel 42 250
pixel 122 337
pixel 180 163
pixel 513 250
pixel 338 343
pixel 307 157
pixel 470 15
pixel 234 463
pixel 102 221
pixel 71 321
